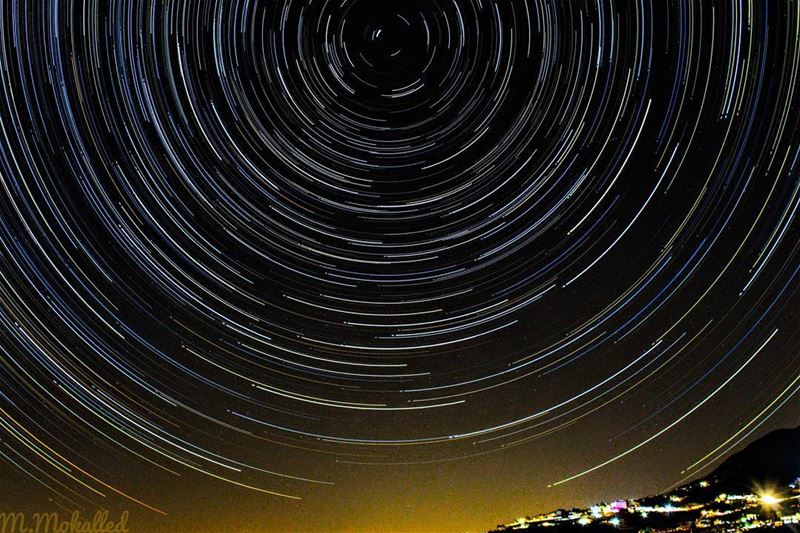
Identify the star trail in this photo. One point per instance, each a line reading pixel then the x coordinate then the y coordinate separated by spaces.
pixel 306 252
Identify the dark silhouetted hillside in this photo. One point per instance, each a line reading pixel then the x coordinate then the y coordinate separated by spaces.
pixel 772 459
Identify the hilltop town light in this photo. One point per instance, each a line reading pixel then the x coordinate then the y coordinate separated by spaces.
pixel 769 499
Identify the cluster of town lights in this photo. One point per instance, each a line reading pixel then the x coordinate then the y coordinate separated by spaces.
pixel 730 510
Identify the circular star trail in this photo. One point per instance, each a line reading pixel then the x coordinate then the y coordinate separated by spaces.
pixel 246 238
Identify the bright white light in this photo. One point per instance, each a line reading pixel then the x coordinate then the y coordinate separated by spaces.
pixel 769 499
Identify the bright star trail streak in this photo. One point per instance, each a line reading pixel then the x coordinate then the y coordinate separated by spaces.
pixel 351 262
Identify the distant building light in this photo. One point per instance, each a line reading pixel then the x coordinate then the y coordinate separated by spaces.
pixel 619 505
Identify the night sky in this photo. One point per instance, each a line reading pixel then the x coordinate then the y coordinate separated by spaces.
pixel 396 265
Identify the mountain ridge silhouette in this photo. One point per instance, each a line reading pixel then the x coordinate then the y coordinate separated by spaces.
pixel 772 459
